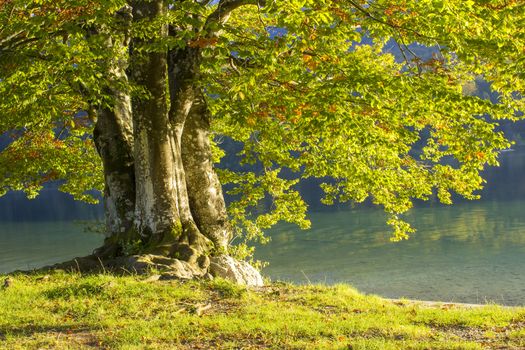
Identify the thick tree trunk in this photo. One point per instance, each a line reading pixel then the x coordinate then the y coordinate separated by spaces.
pixel 160 182
pixel 113 136
pixel 114 141
pixel 163 198
pixel 156 209
pixel 162 210
pixel 205 191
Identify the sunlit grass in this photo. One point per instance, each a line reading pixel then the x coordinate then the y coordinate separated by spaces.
pixel 64 311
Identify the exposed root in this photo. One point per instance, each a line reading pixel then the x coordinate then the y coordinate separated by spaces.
pixel 223 266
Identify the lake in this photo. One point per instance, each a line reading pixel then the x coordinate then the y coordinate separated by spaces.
pixel 470 252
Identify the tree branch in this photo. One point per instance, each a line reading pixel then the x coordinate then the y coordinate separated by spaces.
pixel 223 12
pixel 387 23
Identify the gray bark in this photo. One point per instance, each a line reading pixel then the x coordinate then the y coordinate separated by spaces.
pixel 205 191
pixel 114 141
pixel 113 136
pixel 191 120
pixel 161 188
pixel 162 211
pixel 156 192
pixel 160 182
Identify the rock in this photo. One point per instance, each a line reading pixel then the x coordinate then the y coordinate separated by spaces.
pixel 168 268
pixel 236 271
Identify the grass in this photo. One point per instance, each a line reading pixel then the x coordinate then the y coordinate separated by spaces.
pixel 69 311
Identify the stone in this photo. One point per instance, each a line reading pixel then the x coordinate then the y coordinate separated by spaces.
pixel 236 271
pixel 168 268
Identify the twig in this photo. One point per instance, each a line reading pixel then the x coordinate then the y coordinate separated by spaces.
pixel 309 282
pixel 102 265
pixel 78 267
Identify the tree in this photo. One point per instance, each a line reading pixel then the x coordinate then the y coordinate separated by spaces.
pixel 135 97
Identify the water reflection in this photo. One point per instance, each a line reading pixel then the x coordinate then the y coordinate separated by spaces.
pixel 471 253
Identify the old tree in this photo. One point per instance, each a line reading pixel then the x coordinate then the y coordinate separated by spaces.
pixel 377 98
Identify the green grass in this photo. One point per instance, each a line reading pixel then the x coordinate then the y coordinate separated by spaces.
pixel 70 311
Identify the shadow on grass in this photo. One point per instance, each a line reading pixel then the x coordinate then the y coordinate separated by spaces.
pixel 81 334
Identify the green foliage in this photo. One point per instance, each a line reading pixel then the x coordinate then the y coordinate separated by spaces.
pixel 315 99
pixel 50 71
pixel 311 87
pixel 250 217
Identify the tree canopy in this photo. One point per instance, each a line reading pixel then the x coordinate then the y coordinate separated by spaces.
pixel 373 97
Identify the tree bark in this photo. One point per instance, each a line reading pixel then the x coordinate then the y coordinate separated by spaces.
pixel 114 141
pixel 205 191
pixel 162 213
pixel 190 119
pixel 156 209
pixel 164 202
pixel 161 188
pixel 113 136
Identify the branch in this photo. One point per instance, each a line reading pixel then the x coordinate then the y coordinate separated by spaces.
pixel 12 38
pixel 392 25
pixel 224 10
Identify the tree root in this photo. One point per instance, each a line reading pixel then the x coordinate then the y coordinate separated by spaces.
pixel 168 268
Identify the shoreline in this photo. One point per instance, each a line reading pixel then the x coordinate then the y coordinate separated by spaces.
pixel 445 304
pixel 398 301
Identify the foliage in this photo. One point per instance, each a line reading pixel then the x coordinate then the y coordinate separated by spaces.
pixel 329 89
pixel 63 311
pixel 50 73
pixel 332 90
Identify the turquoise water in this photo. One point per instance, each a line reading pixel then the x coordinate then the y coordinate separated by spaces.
pixel 29 245
pixel 470 252
pixel 473 252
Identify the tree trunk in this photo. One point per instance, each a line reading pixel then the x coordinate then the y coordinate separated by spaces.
pixel 163 197
pixel 156 189
pixel 113 136
pixel 114 141
pixel 204 188
pixel 162 210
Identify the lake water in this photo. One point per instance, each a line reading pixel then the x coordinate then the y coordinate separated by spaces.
pixel 470 252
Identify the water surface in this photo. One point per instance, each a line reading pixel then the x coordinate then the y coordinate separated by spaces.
pixel 472 252
pixel 29 245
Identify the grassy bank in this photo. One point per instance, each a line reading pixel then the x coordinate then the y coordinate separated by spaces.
pixel 69 311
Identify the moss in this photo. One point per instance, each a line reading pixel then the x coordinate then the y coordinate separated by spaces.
pixel 162 243
pixel 69 310
pixel 176 232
